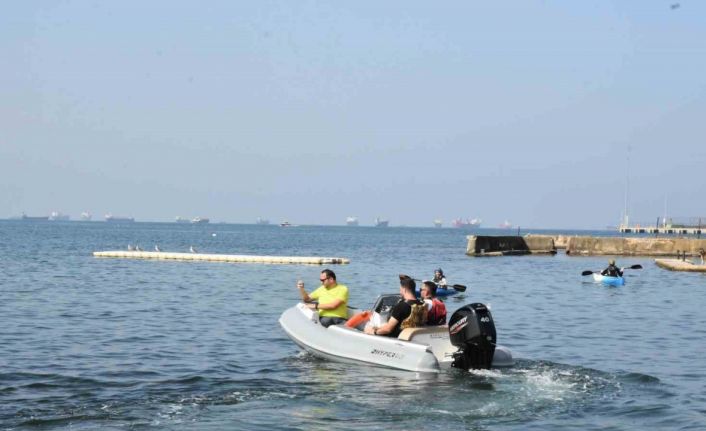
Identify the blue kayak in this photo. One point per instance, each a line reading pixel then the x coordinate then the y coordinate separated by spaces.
pixel 608 280
pixel 441 293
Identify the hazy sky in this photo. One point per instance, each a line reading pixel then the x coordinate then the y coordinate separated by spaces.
pixel 313 111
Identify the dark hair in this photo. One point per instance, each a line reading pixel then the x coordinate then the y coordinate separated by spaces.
pixel 329 273
pixel 432 287
pixel 407 283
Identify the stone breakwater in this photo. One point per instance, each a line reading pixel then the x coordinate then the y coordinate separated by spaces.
pixel 481 245
pixel 582 245
pixel 680 265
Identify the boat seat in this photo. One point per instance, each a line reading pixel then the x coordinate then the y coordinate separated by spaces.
pixel 408 333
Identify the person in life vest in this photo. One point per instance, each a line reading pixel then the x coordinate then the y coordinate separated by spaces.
pixel 408 313
pixel 612 270
pixel 436 314
pixel 439 278
pixel 332 299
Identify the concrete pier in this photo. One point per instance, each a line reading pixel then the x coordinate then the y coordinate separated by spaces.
pixel 582 245
pixel 680 265
pixel 509 245
pixel 626 246
pixel 664 230
pixel 231 258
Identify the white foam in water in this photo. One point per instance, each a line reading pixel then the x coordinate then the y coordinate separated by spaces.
pixel 549 384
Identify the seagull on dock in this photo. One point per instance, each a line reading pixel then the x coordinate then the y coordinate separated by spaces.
pixel 156 248
pixel 192 249
pixel 130 247
pixel 137 248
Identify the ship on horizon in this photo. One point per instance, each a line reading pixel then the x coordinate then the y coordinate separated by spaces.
pixel 25 217
pixel 86 216
pixel 381 222
pixel 200 220
pixel 468 223
pixel 438 223
pixel 57 216
pixel 110 218
pixel 352 221
pixel 505 225
pixel 180 219
pixel 262 221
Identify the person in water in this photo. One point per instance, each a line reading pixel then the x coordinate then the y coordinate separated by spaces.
pixel 332 299
pixel 439 278
pixel 612 270
pixel 408 313
pixel 436 309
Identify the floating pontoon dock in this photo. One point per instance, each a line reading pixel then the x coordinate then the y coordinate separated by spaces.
pixel 680 265
pixel 232 258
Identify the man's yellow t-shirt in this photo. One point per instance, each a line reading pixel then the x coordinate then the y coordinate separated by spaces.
pixel 325 296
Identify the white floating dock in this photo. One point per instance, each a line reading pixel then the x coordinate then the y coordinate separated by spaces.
pixel 233 258
pixel 680 265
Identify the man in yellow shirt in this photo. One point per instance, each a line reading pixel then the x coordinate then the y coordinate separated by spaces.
pixel 332 299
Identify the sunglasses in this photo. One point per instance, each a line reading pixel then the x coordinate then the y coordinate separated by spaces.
pixel 323 279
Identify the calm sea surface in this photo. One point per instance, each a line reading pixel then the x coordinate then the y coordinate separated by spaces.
pixel 89 343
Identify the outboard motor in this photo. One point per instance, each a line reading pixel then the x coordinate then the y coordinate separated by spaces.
pixel 472 330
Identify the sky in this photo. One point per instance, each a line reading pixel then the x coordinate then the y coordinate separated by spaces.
pixel 547 114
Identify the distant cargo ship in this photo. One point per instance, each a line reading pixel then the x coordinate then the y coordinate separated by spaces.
pixel 86 216
pixel 352 221
pixel 287 224
pixel 505 225
pixel 262 221
pixel 57 216
pixel 180 219
pixel 200 220
pixel 114 219
pixel 25 217
pixel 381 222
pixel 468 223
pixel 437 223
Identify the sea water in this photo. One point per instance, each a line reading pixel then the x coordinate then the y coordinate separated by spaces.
pixel 90 343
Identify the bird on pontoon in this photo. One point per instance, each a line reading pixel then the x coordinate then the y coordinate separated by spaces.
pixel 130 247
pixel 137 248
pixel 192 249
pixel 156 248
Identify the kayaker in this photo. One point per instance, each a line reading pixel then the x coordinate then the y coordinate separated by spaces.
pixel 439 278
pixel 332 299
pixel 408 313
pixel 436 309
pixel 612 270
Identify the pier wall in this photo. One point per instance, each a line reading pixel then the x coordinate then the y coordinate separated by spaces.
pixel 626 246
pixel 481 245
pixel 582 245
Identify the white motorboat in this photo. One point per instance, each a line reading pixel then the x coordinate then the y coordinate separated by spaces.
pixel 468 342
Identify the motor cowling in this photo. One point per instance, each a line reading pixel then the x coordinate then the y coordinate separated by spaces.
pixel 472 330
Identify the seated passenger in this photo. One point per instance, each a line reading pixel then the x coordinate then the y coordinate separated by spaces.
pixel 408 313
pixel 612 270
pixel 436 314
pixel 332 297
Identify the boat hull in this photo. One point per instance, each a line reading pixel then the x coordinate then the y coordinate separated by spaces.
pixel 429 352
pixel 607 280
